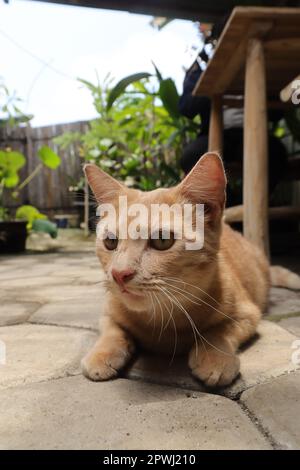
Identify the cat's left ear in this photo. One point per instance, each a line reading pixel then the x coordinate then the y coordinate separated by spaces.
pixel 104 186
pixel 206 182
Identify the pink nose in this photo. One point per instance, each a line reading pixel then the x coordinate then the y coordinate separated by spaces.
pixel 121 277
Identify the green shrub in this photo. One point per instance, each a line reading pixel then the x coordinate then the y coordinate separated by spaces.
pixel 138 133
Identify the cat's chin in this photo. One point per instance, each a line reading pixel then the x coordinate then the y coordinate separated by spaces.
pixel 135 302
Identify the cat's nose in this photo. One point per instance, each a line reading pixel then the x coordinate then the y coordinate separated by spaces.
pixel 121 277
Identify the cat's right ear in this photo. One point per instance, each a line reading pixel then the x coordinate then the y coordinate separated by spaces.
pixel 104 186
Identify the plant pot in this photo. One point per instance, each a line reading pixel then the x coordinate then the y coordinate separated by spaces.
pixel 13 236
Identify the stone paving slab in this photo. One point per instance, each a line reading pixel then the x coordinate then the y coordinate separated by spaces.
pixel 74 413
pixel 277 407
pixel 283 302
pixel 33 282
pixel 79 313
pixel 292 324
pixel 268 356
pixel 37 352
pixel 12 313
pixel 60 293
pixel 67 240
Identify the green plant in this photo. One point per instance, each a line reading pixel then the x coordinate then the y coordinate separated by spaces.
pixel 138 134
pixel 11 114
pixel 36 220
pixel 292 119
pixel 11 162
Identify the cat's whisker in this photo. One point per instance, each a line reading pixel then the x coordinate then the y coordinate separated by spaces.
pixel 178 303
pixel 153 307
pixel 174 324
pixel 172 308
pixel 175 279
pixel 201 336
pixel 161 316
pixel 201 300
pixel 154 314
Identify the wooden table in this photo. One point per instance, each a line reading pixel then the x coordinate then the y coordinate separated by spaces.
pixel 257 55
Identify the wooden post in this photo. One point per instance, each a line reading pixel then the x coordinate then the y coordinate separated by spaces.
pixel 86 208
pixel 215 138
pixel 29 161
pixel 255 178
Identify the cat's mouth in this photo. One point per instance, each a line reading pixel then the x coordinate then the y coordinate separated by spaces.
pixel 131 292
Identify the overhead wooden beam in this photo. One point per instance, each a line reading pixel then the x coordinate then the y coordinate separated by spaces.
pixel 184 9
pixel 234 62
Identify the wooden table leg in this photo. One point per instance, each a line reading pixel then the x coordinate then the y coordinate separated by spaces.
pixel 255 177
pixel 215 138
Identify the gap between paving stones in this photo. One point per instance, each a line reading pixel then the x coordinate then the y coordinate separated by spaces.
pixel 61 325
pixel 276 318
pixel 258 424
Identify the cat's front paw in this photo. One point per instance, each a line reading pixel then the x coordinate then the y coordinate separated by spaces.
pixel 104 365
pixel 214 368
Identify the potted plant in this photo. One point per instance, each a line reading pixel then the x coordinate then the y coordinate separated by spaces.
pixel 14 227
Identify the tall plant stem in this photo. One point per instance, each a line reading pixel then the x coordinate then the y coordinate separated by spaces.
pixel 29 177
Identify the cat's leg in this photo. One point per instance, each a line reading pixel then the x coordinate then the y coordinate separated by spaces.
pixel 214 360
pixel 110 353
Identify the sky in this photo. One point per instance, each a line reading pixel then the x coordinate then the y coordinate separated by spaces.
pixel 45 47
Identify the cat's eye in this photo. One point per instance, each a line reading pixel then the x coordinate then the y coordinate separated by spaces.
pixel 110 241
pixel 160 243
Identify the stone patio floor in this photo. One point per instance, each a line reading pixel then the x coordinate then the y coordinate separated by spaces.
pixel 50 304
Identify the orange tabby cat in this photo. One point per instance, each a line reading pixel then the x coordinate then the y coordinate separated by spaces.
pixel 167 299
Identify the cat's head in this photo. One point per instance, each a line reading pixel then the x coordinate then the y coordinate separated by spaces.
pixel 135 265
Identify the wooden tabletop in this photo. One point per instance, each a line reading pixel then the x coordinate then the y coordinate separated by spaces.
pixel 280 30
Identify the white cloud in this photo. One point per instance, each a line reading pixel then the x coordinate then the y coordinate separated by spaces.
pixel 78 41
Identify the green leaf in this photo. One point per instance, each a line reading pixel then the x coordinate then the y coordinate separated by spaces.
pixel 30 214
pixel 11 180
pixel 12 160
pixel 10 164
pixel 49 158
pixel 120 87
pixel 158 74
pixel 169 97
pixel 131 164
pixel 292 117
pixel 94 89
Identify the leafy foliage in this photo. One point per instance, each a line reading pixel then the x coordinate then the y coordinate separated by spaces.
pixel 10 111
pixel 122 85
pixel 36 220
pixel 292 118
pixel 10 164
pixel 138 134
pixel 169 97
pixel 49 158
pixel 30 214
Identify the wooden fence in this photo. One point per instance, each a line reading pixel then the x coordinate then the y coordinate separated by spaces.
pixel 49 190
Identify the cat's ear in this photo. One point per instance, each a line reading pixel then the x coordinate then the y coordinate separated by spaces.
pixel 104 186
pixel 206 182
